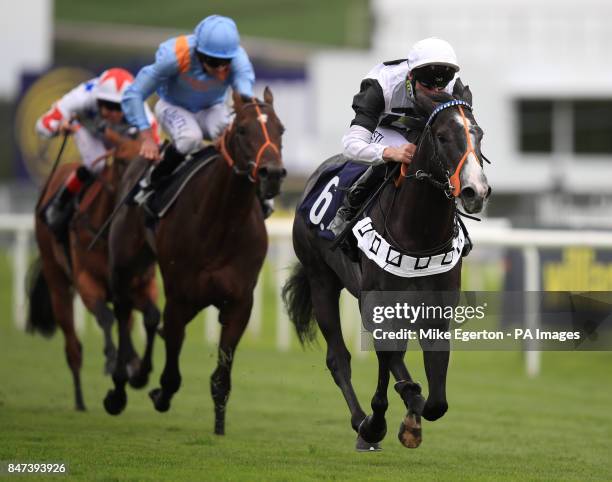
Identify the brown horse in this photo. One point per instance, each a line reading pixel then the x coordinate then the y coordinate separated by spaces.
pixel 61 268
pixel 210 247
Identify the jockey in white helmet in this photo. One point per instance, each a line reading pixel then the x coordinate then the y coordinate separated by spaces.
pixel 377 134
pixel 86 112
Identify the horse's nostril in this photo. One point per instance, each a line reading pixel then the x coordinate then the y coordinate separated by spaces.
pixel 263 172
pixel 283 173
pixel 468 192
pixel 488 193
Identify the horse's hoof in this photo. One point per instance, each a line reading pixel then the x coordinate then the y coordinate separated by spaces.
pixel 159 401
pixel 219 430
pixel 80 407
pixel 115 402
pixel 368 435
pixel 139 380
pixel 362 446
pixel 410 433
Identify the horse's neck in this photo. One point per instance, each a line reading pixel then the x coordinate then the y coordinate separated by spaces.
pixel 418 215
pixel 231 195
pixel 101 207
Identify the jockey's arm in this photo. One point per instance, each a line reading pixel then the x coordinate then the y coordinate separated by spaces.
pixel 147 81
pixel 242 76
pixel 368 104
pixel 57 119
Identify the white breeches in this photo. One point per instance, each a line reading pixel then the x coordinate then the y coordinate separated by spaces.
pixel 188 129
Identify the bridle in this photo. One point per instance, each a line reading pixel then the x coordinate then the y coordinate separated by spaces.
pixel 451 186
pixel 252 166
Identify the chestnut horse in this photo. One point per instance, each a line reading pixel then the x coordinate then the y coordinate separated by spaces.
pixel 418 215
pixel 210 247
pixel 53 277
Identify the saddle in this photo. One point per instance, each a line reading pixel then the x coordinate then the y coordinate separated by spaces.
pixel 165 195
pixel 325 192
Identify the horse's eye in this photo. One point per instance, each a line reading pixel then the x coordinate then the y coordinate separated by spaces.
pixel 441 138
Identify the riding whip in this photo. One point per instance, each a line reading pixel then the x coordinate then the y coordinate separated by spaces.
pixel 53 169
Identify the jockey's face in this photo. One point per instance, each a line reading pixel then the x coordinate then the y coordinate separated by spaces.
pixel 426 89
pixel 110 112
pixel 220 73
pixel 215 67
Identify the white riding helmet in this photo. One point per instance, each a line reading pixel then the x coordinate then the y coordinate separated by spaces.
pixel 432 51
pixel 112 83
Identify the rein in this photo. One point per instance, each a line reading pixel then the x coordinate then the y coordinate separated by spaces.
pixel 252 166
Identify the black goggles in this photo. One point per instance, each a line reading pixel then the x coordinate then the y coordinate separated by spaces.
pixel 108 105
pixel 213 62
pixel 434 76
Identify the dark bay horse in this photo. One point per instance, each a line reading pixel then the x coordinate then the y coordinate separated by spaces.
pixel 54 277
pixel 417 214
pixel 210 247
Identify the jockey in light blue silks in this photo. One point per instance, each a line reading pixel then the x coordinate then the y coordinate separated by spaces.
pixel 192 75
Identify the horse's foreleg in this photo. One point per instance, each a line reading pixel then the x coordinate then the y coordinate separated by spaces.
pixel 374 428
pixel 94 295
pixel 436 366
pixel 176 317
pixel 116 398
pixel 327 313
pixel 234 319
pixel 105 318
pixel 151 317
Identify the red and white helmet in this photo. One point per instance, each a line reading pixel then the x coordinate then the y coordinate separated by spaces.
pixel 112 83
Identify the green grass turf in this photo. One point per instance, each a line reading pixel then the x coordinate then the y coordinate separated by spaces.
pixel 287 420
pixel 341 22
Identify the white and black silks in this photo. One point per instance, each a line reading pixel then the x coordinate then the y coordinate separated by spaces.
pixel 385 101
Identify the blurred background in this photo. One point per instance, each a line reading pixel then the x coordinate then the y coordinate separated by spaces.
pixel 541 75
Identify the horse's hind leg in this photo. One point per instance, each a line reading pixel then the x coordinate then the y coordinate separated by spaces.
pixel 61 299
pixel 325 298
pixel 410 432
pixel 176 317
pixel 234 319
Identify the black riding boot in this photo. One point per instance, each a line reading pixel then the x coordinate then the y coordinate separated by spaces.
pixel 356 196
pixel 59 211
pixel 160 173
pixel 171 160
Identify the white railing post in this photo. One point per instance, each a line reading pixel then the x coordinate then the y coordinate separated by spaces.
pixel 20 268
pixel 531 257
pixel 282 271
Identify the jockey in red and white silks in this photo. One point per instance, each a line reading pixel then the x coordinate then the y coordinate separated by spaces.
pixel 86 112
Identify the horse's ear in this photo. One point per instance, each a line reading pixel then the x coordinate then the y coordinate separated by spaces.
pixel 237 100
pixel 268 98
pixel 462 92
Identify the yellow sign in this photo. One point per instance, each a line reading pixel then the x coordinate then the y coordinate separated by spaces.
pixel 578 270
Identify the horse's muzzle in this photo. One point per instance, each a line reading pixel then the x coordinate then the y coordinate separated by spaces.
pixel 474 197
pixel 270 180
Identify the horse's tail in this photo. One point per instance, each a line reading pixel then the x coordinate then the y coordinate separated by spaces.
pixel 298 302
pixel 40 310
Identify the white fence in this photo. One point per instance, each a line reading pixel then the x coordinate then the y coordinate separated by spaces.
pixel 281 257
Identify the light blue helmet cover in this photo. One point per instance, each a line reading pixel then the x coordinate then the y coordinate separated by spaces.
pixel 217 36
